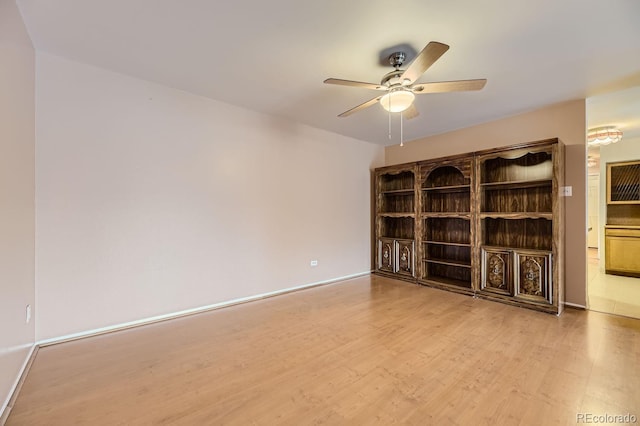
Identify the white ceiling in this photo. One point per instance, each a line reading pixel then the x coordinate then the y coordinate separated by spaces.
pixel 272 56
pixel 620 109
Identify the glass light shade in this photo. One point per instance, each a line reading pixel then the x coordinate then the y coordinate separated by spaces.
pixel 397 101
pixel 603 136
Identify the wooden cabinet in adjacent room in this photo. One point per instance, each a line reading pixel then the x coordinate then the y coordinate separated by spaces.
pixel 622 232
pixel 487 223
pixel 622 250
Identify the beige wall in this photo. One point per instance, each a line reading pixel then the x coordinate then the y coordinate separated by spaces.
pixel 565 121
pixel 17 134
pixel 152 200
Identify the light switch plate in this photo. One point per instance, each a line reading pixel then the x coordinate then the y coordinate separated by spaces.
pixel 566 191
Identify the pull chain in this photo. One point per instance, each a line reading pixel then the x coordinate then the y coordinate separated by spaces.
pixel 389 118
pixel 401 130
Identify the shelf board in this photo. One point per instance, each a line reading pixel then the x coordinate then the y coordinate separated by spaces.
pixel 396 214
pixel 447 281
pixel 399 191
pixel 448 262
pixel 516 215
pixel 453 188
pixel 444 243
pixel 494 247
pixel 517 184
pixel 623 202
pixel 621 227
pixel 456 215
pixel 385 237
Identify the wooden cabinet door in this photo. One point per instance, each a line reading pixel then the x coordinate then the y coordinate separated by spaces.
pixel 496 271
pixel 386 255
pixel 623 182
pixel 405 256
pixel 532 276
pixel 622 251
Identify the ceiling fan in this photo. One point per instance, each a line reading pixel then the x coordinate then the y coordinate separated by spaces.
pixel 401 87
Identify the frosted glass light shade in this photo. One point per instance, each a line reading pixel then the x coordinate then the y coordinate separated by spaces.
pixel 397 101
pixel 603 136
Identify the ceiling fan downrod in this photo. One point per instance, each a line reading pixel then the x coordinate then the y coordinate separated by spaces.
pixel 396 59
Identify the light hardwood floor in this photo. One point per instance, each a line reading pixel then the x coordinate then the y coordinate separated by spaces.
pixel 366 351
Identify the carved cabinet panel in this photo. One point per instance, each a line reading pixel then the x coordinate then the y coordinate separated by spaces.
pixel 496 271
pixel 405 257
pixel 396 256
pixel 525 274
pixel 532 273
pixel 386 255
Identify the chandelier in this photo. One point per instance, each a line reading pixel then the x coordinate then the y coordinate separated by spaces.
pixel 603 136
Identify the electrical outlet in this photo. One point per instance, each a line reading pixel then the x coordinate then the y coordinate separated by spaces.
pixel 28 314
pixel 314 263
pixel 566 191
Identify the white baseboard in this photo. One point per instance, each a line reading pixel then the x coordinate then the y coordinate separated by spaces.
pixel 5 409
pixel 575 305
pixel 172 315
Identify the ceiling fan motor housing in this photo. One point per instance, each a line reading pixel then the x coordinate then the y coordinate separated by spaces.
pixel 393 79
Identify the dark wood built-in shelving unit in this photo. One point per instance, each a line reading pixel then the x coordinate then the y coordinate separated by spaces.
pixel 519 226
pixel 395 221
pixel 487 223
pixel 444 226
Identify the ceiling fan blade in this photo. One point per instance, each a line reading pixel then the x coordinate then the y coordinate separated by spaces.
pixel 355 84
pixel 449 86
pixel 424 60
pixel 411 112
pixel 360 107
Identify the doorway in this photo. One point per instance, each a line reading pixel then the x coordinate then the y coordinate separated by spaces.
pixel 614 294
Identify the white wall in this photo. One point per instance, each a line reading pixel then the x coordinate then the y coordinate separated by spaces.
pixel 17 138
pixel 628 149
pixel 152 200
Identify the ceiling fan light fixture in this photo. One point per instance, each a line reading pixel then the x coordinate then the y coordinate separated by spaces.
pixel 397 100
pixel 603 136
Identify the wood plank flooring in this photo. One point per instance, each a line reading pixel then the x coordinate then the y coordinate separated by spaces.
pixel 366 351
